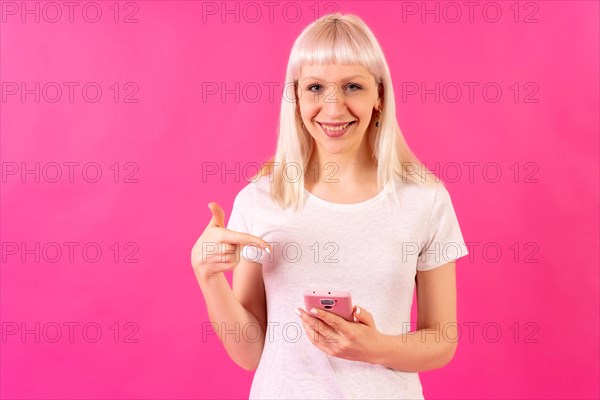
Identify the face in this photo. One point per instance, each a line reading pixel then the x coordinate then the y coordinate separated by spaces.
pixel 337 104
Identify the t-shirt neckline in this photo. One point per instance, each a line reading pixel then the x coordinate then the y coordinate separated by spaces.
pixel 349 206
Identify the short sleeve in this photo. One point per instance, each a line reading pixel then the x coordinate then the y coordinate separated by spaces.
pixel 240 219
pixel 444 242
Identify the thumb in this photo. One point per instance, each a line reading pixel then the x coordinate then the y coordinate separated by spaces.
pixel 363 316
pixel 218 215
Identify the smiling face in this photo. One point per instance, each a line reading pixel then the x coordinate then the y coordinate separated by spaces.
pixel 337 105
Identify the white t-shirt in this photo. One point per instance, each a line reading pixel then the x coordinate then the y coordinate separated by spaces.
pixel 372 249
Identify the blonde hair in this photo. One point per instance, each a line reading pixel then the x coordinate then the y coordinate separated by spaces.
pixel 339 39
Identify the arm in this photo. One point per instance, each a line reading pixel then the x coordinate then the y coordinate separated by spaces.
pixel 230 312
pixel 233 313
pixel 433 344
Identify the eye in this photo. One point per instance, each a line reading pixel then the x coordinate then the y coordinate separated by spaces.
pixel 353 87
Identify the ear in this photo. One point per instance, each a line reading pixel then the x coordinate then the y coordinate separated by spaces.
pixel 377 108
pixel 380 93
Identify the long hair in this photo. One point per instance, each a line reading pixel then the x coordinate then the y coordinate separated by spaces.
pixel 338 39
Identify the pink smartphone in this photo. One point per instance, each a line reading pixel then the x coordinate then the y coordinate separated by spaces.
pixel 337 302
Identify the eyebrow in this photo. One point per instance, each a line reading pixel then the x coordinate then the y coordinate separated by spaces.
pixel 345 79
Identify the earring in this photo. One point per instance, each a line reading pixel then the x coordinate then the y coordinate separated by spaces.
pixel 377 123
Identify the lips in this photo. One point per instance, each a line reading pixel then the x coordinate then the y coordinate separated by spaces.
pixel 335 124
pixel 336 132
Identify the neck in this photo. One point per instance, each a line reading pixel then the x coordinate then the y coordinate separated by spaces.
pixel 346 169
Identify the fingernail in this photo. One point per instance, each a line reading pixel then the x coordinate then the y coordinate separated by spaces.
pixel 358 310
pixel 298 313
pixel 268 250
pixel 313 311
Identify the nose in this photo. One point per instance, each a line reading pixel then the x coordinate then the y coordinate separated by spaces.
pixel 334 102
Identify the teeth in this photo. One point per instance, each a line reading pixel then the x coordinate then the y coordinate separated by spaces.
pixel 336 128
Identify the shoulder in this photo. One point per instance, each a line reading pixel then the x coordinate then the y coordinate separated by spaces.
pixel 245 196
pixel 252 189
pixel 261 188
pixel 419 194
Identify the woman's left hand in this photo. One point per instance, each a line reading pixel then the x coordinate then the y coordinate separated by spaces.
pixel 357 341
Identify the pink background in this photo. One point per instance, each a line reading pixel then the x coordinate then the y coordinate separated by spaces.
pixel 541 293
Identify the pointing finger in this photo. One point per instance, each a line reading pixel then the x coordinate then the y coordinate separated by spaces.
pixel 245 239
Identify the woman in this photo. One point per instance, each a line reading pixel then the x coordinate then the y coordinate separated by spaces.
pixel 343 205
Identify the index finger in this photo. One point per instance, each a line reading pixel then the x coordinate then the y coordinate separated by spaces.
pixel 333 320
pixel 244 239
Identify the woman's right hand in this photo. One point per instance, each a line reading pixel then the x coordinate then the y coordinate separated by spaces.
pixel 218 249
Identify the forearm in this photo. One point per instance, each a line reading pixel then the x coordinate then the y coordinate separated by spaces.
pixel 417 351
pixel 231 320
